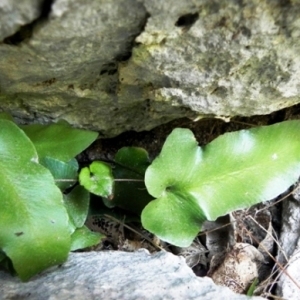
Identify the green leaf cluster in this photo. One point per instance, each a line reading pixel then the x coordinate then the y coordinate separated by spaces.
pixel 43 212
pixel 192 184
pixel 39 224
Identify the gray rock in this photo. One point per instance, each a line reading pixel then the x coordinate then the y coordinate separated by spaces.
pixel 67 67
pixel 117 65
pixel 288 252
pixel 222 58
pixel 14 14
pixel 117 275
pixel 290 226
pixel 288 285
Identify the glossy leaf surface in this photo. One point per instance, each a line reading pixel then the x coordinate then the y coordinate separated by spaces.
pixel 97 178
pixel 34 231
pixel 59 141
pixel 235 171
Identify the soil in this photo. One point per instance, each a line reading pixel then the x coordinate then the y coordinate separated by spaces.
pixel 247 228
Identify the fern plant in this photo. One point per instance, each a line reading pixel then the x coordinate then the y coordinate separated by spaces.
pixel 42 213
pixel 192 184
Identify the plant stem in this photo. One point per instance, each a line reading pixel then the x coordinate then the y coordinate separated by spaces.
pixel 129 179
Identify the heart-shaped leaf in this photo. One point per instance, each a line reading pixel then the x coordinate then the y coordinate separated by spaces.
pixel 59 141
pixel 34 230
pixel 97 178
pixel 234 171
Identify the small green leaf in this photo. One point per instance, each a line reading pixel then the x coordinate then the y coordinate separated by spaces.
pixel 235 171
pixel 34 231
pixel 59 141
pixel 97 178
pixel 77 204
pixel 64 173
pixel 83 238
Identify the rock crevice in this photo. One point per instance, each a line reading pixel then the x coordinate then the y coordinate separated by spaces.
pixel 125 65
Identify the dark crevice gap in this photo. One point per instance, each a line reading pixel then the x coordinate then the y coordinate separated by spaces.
pixel 45 9
pixel 111 68
pixel 25 31
pixel 127 54
pixel 187 20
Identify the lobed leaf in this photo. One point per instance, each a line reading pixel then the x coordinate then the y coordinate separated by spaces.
pixel 235 171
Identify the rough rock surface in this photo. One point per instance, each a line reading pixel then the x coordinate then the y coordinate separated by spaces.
pixel 15 13
pixel 117 275
pixel 288 285
pixel 239 268
pixel 289 282
pixel 117 65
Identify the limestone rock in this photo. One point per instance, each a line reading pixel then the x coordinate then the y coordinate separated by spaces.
pixel 239 268
pixel 15 14
pixel 288 254
pixel 288 285
pixel 117 65
pixel 117 275
pixel 67 67
pixel 222 58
